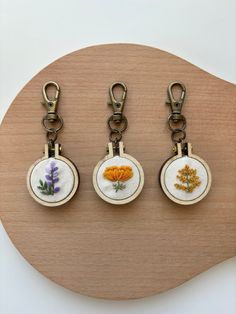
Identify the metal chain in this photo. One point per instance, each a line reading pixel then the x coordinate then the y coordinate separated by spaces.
pixel 176 121
pixel 52 127
pixel 116 130
pixel 177 127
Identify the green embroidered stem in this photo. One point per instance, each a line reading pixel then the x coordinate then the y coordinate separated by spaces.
pixel 118 186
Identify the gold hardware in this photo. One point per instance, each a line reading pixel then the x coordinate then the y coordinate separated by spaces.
pixel 51 104
pixel 176 104
pixel 118 105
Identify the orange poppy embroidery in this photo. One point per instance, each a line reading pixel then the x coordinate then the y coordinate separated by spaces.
pixel 118 174
pixel 188 178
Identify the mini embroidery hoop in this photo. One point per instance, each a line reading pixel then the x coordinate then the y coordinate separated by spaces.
pixel 177 156
pixel 124 155
pixel 68 162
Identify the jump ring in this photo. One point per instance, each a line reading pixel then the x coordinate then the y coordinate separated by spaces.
pixel 181 138
pixel 123 121
pixel 181 119
pixel 118 136
pixel 52 130
pixel 51 136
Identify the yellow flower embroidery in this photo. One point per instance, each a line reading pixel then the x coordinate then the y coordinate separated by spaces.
pixel 189 179
pixel 118 174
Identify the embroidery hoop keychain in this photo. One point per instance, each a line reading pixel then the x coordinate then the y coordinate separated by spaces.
pixel 118 178
pixel 185 178
pixel 53 179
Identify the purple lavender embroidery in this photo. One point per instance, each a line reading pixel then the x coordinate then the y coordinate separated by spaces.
pixel 48 187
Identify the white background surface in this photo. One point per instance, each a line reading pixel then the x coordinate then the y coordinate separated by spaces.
pixel 35 33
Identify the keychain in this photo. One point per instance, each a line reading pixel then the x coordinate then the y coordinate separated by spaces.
pixel 118 178
pixel 185 178
pixel 53 179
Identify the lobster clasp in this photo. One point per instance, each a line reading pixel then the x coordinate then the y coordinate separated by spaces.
pixel 176 104
pixel 118 105
pixel 51 104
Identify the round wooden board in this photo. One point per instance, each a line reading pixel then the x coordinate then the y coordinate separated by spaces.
pixel 151 244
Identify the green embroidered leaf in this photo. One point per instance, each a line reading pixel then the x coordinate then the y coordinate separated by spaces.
pixel 45 188
pixel 45 193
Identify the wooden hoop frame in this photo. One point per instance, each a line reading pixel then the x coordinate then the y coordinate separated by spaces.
pixel 177 156
pixel 109 156
pixel 73 169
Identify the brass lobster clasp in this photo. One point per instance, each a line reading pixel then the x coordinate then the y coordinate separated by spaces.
pixel 176 104
pixel 51 104
pixel 118 105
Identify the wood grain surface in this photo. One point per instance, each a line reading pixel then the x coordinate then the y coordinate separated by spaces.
pixel 151 244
